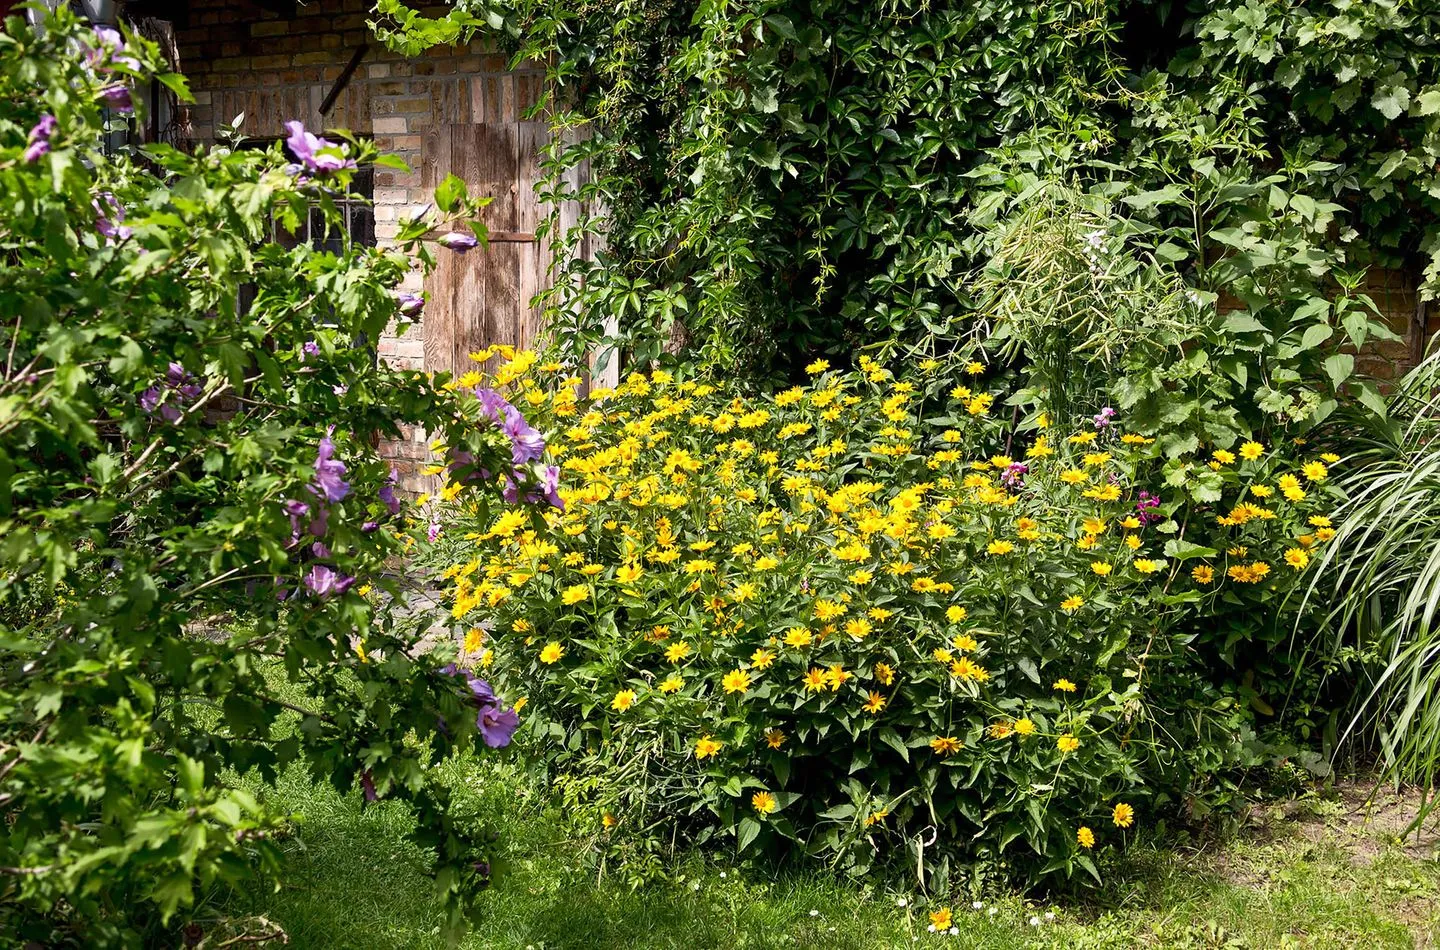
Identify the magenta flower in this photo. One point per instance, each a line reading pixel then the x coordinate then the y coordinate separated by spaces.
pixel 329 471
pixel 320 156
pixel 459 241
pixel 311 348
pixel 325 581
pixel 39 143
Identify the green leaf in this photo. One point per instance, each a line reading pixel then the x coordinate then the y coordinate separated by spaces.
pixel 1183 550
pixel 449 194
pixel 1339 367
pixel 1391 101
pixel 747 831
pixel 1371 399
pixel 177 84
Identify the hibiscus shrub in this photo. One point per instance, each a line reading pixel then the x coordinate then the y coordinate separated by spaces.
pixel 868 616
pixel 188 418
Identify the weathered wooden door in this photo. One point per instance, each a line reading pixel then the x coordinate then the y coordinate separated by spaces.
pixel 483 296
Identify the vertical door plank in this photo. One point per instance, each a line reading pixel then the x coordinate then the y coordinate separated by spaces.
pixel 534 257
pixel 440 315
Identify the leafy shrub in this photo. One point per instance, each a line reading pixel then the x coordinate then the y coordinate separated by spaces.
pixel 868 614
pixel 171 456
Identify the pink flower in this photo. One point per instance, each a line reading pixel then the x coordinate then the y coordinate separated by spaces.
pixel 320 156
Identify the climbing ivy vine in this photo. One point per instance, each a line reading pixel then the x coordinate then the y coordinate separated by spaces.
pixel 779 178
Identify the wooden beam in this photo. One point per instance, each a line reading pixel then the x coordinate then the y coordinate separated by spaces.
pixel 344 78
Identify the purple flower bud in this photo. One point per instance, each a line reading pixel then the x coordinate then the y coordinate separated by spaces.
pixel 459 241
pixel 311 348
pixel 433 532
pixel 370 527
pixel 409 305
pixel 367 782
pixel 296 510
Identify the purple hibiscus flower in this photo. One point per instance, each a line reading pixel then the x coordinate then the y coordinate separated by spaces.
pixel 318 155
pixel 526 444
pixel 459 241
pixel 117 98
pixel 110 219
pixel 496 722
pixel 494 406
pixel 550 486
pixel 109 51
pixel 176 380
pixel 547 488
pixel 310 348
pixel 325 581
pixel 329 471
pixel 387 493
pixel 39 142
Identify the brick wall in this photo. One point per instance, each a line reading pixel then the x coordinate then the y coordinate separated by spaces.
pixel 1414 321
pixel 242 58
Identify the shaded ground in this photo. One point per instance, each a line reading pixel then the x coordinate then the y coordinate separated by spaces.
pixel 1316 872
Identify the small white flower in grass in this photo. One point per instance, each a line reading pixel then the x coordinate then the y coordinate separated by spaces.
pixel 1034 921
pixel 695 886
pixel 978 905
pixel 814 913
pixel 993 911
pixel 722 875
pixel 1049 915
pixel 901 902
pixel 954 931
pixel 931 928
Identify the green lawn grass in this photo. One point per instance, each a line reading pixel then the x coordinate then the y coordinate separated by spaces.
pixel 351 881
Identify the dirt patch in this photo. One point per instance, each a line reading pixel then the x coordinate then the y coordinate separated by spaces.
pixel 1371 819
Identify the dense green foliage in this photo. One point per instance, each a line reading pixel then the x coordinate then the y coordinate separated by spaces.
pixel 779 177
pixel 169 454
